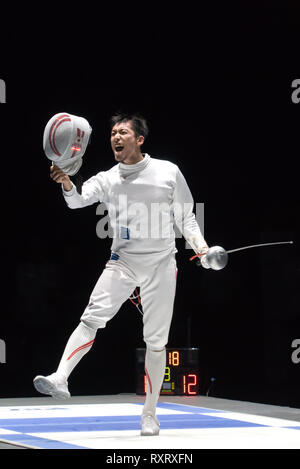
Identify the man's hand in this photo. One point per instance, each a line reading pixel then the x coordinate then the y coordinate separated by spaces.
pixel 58 175
pixel 204 262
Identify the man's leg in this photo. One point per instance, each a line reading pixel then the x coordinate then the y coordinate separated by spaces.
pixel 155 364
pixel 77 346
pixel 79 343
pixel 113 288
pixel 157 296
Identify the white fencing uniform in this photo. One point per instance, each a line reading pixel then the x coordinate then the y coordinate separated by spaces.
pixel 144 200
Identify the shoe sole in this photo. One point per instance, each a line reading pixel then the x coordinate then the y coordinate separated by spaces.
pixel 149 434
pixel 44 386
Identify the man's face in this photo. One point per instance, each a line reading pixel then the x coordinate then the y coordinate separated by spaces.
pixel 124 143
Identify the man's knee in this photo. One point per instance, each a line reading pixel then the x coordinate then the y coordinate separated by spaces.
pixel 89 325
pixel 92 322
pixel 94 317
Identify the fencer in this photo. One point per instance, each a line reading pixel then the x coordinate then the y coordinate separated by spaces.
pixel 135 185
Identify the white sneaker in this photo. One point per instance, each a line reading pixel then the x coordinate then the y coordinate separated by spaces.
pixel 150 424
pixel 54 385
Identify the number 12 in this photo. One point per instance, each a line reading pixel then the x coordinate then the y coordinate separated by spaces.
pixel 189 381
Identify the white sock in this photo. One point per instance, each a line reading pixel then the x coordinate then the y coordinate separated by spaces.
pixel 79 343
pixel 155 363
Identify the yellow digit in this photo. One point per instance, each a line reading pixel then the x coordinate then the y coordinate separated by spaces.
pixel 167 374
pixel 176 358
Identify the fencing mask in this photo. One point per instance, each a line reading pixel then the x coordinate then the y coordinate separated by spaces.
pixel 65 141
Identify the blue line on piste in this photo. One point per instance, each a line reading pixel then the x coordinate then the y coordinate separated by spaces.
pixel 187 408
pixel 109 423
pixel 38 442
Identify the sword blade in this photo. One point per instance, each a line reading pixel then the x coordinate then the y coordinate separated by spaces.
pixel 259 245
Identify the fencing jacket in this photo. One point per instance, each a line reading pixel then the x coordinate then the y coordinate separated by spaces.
pixel 144 201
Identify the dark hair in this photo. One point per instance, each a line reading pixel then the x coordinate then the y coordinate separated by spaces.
pixel 138 122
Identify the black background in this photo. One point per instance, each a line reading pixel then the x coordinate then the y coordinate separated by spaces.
pixel 214 83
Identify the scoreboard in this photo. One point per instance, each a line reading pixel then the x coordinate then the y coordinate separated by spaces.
pixel 181 373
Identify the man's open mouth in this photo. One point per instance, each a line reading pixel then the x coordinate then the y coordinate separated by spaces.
pixel 118 148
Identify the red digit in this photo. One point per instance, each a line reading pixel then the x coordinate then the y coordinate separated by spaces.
pixel 184 384
pixel 192 383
